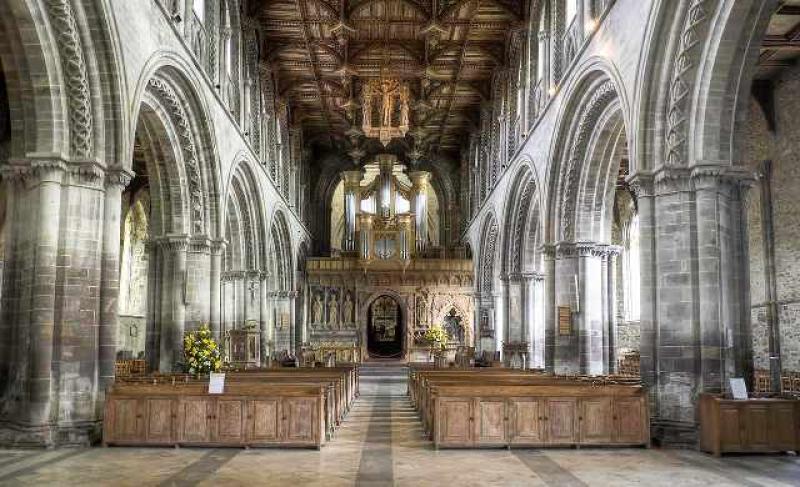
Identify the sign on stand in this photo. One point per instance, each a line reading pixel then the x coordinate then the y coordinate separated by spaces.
pixel 216 383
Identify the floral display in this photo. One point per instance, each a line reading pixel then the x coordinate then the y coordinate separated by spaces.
pixel 436 336
pixel 201 353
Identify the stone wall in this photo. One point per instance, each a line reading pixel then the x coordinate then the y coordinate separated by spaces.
pixel 781 147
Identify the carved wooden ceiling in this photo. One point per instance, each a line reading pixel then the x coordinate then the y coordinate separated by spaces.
pixel 780 48
pixel 322 51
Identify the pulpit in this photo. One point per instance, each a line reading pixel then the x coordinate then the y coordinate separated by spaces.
pixel 242 347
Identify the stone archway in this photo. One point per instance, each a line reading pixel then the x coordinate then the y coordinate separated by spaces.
pixel 385 328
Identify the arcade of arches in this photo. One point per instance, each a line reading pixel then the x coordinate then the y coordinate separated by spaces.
pixel 579 186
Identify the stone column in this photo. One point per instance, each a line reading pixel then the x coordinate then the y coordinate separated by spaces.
pixel 352 198
pixel 31 299
pixel 217 248
pixel 116 181
pixel 172 330
pixel 591 284
pixel 550 318
pixel 567 357
pixel 505 295
pixel 293 345
pixel 612 252
pixel 533 331
pixel 266 331
pixel 539 331
pixel 499 320
pixel 695 331
pixel 420 182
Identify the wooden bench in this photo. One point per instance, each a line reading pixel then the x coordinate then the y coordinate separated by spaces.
pixel 503 407
pixel 246 414
pixel 339 386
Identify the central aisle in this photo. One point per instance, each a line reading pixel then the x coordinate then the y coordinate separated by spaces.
pixel 381 415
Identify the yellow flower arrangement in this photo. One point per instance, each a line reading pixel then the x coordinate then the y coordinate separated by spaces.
pixel 200 351
pixel 436 336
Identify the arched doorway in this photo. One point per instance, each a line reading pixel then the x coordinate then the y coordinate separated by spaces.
pixel 385 328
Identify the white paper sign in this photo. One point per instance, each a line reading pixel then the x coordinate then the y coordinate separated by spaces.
pixel 216 383
pixel 738 388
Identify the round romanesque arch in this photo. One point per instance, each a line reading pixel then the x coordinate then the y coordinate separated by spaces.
pixel 590 144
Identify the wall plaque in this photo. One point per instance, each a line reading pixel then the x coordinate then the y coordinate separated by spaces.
pixel 564 320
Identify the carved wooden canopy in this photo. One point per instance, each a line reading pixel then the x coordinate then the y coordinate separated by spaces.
pixel 322 52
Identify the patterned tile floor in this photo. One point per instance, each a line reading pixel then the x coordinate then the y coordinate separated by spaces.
pixel 380 444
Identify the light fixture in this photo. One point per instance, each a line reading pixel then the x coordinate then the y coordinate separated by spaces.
pixel 591 25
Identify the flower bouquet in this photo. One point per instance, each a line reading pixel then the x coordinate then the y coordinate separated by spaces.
pixel 436 336
pixel 201 353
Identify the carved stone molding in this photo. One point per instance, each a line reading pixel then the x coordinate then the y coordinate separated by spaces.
pixel 176 110
pixel 79 102
pixel 681 84
pixel 600 99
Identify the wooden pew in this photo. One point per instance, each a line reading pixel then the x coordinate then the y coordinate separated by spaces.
pixel 246 414
pixel 339 386
pixel 505 407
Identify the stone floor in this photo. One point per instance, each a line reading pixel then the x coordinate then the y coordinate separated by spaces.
pixel 381 444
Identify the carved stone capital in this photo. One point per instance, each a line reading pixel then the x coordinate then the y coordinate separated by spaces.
pixel 174 243
pixel 218 246
pixel 200 244
pixel 86 174
pixel 564 250
pixel 672 180
pixel 118 176
pixel 641 184
pixel 714 177
pixel 586 249
pixel 31 171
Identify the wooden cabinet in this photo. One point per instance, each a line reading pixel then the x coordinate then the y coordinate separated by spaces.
pixel 539 420
pixel 754 425
pixel 264 421
pixel 596 421
pixel 195 416
pixel 158 420
pixel 561 418
pixel 526 425
pixel 631 421
pixel 135 416
pixel 454 426
pixel 123 417
pixel 298 425
pixel 490 418
pixel 230 420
